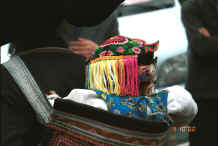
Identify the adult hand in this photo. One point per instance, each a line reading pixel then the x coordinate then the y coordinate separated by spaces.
pixel 204 31
pixel 83 47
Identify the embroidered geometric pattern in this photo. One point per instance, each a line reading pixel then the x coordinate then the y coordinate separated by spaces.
pixel 138 106
pixel 120 45
pixel 114 66
pixel 73 130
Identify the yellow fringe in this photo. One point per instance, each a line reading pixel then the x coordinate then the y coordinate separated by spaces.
pixel 91 70
pixel 108 76
pixel 116 75
pixel 121 69
pixel 103 76
pixel 101 79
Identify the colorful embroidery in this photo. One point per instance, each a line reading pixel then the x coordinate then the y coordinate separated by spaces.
pixel 114 67
pixel 120 45
pixel 138 107
pixel 113 72
pixel 116 40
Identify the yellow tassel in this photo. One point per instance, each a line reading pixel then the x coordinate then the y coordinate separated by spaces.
pixel 116 75
pixel 104 75
pixel 121 71
pixel 95 75
pixel 91 70
pixel 108 76
pixel 101 79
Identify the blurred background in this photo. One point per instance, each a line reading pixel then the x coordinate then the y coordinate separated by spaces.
pixel 154 20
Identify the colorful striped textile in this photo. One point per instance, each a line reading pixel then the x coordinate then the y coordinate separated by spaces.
pixel 78 124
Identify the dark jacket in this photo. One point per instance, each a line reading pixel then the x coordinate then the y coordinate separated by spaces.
pixel 202 79
pixel 53 69
pixel 103 31
pixel 33 24
pixel 98 34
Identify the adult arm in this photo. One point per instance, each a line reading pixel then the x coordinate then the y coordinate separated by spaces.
pixel 107 29
pixel 83 47
pixel 96 12
pixel 202 44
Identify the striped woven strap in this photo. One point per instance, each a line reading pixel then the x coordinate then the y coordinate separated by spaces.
pixel 30 89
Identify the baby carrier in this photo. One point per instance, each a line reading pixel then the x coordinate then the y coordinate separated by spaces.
pixel 69 123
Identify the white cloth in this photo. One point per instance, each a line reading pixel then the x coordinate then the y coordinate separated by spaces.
pixel 180 105
pixel 87 97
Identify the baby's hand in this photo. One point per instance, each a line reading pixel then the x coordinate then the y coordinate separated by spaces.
pixel 51 96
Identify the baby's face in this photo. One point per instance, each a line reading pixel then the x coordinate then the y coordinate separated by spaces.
pixel 147 78
pixel 147 73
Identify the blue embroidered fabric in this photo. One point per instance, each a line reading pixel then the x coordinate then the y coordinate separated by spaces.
pixel 153 107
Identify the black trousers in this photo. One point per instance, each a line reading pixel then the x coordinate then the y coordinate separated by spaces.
pixel 206 123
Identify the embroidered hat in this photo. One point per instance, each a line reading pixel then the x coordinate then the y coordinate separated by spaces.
pixel 113 68
pixel 122 46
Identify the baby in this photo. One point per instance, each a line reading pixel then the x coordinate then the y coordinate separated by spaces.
pixel 120 78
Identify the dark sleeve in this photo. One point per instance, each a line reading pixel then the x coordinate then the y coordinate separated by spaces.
pixel 19 126
pixel 99 11
pixel 113 26
pixel 2 42
pixel 203 46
